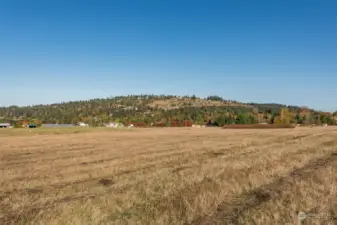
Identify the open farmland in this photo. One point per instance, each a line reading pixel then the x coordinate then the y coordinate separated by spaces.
pixel 168 176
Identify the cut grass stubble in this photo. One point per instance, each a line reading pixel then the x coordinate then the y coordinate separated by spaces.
pixel 160 176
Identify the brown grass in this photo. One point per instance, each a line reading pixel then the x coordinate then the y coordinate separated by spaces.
pixel 48 131
pixel 169 176
pixel 258 126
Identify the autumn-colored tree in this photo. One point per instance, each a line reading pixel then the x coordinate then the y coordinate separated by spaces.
pixel 307 119
pixel 285 117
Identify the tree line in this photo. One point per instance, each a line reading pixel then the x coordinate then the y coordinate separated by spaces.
pixel 138 109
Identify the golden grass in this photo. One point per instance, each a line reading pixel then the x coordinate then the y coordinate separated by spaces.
pixel 62 130
pixel 168 176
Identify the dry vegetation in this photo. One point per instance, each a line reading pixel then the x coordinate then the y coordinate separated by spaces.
pixel 168 176
pixel 258 126
pixel 51 131
pixel 175 103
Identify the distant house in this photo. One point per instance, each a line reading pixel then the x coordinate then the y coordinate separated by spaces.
pixel 32 125
pixel 114 125
pixel 4 125
pixel 81 124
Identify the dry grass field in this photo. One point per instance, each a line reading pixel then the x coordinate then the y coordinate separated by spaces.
pixel 178 176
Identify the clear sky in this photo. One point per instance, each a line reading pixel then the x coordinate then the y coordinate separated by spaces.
pixel 281 51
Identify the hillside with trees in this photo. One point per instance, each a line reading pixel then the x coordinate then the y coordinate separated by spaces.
pixel 152 109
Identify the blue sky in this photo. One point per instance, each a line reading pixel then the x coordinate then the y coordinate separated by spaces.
pixel 262 51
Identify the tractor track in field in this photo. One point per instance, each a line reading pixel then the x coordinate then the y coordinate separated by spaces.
pixel 226 212
pixel 229 212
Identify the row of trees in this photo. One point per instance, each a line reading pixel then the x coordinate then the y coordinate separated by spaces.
pixel 138 109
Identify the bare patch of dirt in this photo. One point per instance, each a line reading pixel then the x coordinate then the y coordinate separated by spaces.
pixel 106 182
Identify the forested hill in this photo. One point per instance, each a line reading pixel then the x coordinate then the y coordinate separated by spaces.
pixel 149 109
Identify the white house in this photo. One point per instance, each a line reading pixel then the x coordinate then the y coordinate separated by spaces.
pixel 5 125
pixel 81 124
pixel 114 125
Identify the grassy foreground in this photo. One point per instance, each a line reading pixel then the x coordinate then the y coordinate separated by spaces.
pixel 168 176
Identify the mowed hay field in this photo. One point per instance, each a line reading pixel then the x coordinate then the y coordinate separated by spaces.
pixel 168 176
